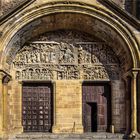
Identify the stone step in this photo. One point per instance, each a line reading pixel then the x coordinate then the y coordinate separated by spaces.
pixel 51 136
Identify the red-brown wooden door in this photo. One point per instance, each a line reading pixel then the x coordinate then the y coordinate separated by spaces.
pixel 37 107
pixel 96 107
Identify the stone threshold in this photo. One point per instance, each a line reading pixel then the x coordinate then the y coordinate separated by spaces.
pixel 85 136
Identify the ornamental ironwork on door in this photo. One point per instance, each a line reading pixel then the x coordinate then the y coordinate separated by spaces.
pixel 37 107
pixel 96 107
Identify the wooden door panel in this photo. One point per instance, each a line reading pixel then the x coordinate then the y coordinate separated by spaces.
pixel 37 107
pixel 94 94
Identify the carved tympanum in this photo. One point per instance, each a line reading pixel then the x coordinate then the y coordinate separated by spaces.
pixel 52 60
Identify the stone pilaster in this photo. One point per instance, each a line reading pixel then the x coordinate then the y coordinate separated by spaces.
pixel 118 105
pixel 134 104
pixel 19 126
pixel 128 104
pixel 54 107
pixel 5 108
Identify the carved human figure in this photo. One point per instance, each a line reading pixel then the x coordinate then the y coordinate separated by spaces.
pixel 52 57
pixel 33 57
pixel 37 73
pixel 24 74
pixel 94 59
pixel 87 57
pixel 80 55
pixel 30 74
pixel 44 57
pixel 69 57
pixel 18 74
pixel 37 56
pixel 66 54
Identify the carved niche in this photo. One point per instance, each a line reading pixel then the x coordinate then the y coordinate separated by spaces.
pixel 42 60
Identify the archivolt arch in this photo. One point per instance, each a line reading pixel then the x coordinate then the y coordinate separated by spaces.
pixel 74 15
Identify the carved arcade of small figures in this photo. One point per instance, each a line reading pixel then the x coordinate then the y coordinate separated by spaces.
pixel 83 60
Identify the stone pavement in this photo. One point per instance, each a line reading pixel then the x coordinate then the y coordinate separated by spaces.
pixel 85 136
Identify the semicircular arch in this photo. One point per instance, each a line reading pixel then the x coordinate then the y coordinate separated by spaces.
pixel 90 19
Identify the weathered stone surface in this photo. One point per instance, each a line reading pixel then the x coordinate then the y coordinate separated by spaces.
pixel 86 136
pixel 8 5
pixel 103 25
pixel 120 2
pixel 118 105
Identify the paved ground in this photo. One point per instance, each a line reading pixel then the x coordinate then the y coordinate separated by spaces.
pixel 85 136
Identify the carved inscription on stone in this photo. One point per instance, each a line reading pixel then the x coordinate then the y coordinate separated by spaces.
pixel 52 60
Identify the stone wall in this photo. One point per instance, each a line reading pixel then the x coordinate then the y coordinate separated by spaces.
pixel 119 2
pixel 118 105
pixel 8 5
pixel 12 120
pixel 67 107
pixel 68 112
pixel 128 6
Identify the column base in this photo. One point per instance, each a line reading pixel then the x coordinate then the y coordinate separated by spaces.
pixel 112 129
pixel 18 129
pixel 133 134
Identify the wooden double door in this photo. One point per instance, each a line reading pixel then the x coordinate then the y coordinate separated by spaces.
pixel 37 107
pixel 96 103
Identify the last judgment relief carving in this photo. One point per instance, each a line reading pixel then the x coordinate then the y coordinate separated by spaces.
pixel 48 60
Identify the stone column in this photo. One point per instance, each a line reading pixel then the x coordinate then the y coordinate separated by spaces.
pixel 54 106
pixel 1 104
pixel 134 104
pixel 5 109
pixel 20 127
pixel 128 104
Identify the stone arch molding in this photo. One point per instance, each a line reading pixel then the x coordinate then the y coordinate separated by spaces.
pixel 70 15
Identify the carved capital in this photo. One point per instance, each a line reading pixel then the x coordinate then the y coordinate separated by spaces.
pixel 1 75
pixel 134 74
pixel 6 79
pixel 20 82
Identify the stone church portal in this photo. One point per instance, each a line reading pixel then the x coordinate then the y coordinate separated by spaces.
pixel 69 67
